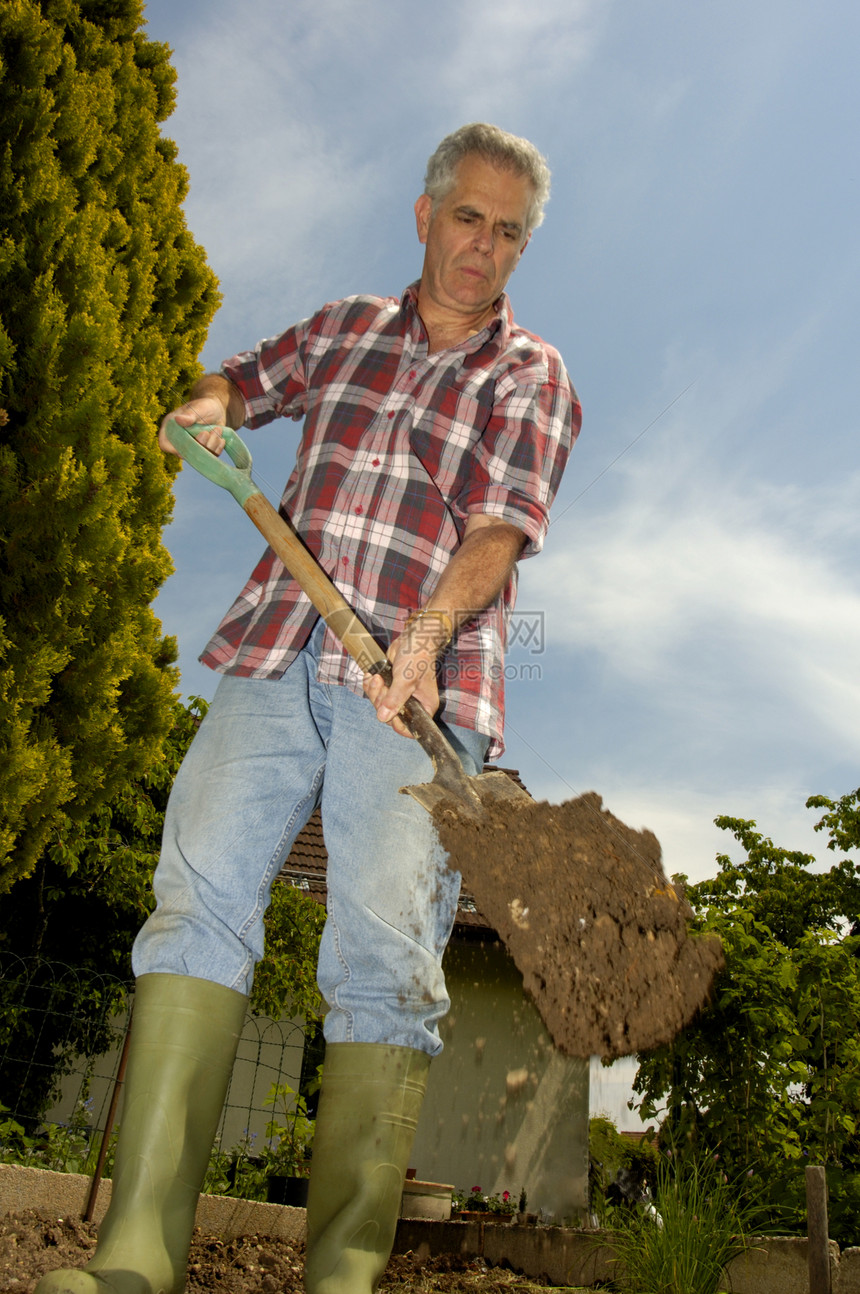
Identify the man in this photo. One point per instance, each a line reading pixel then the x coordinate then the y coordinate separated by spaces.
pixel 435 435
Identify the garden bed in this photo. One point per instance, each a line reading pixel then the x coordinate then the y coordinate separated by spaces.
pixel 32 1243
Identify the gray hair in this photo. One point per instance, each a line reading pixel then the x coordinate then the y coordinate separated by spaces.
pixel 496 146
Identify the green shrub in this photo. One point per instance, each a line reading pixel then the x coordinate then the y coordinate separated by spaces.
pixel 700 1222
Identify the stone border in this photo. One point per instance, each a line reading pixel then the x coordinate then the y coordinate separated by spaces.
pixel 62 1194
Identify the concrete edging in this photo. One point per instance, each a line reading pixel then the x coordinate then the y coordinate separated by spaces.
pixel 64 1193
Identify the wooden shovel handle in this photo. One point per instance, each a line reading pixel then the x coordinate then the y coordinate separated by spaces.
pixel 306 570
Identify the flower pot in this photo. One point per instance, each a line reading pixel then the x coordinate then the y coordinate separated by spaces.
pixel 287 1190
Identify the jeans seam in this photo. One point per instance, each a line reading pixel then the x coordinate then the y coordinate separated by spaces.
pixel 276 861
pixel 346 1013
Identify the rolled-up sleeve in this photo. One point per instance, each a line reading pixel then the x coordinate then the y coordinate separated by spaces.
pixel 521 455
pixel 272 378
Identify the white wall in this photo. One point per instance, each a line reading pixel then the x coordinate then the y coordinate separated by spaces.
pixel 504 1109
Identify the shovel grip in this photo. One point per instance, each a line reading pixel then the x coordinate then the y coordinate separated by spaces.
pixel 235 477
pixel 299 561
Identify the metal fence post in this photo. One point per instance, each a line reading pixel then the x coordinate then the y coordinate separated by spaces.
pixel 109 1122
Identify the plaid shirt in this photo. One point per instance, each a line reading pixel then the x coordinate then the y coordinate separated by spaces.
pixel 398 449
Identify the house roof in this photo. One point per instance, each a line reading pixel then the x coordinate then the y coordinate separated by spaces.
pixel 306 868
pixel 634 1138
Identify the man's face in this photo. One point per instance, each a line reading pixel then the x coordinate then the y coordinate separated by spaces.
pixel 475 237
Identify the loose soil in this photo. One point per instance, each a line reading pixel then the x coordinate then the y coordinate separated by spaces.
pixel 32 1243
pixel 584 907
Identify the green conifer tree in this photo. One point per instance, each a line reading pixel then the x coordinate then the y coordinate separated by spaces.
pixel 104 304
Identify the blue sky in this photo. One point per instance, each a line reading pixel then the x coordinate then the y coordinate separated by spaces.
pixel 698 269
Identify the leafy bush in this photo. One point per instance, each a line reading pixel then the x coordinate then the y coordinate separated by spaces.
pixel 612 1156
pixel 768 1074
pixel 237 1172
pixel 290 1131
pixel 63 1147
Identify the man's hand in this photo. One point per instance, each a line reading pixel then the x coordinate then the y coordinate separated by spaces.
pixel 413 663
pixel 215 403
pixel 207 413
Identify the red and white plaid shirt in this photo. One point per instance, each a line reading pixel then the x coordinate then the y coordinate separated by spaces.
pixel 398 449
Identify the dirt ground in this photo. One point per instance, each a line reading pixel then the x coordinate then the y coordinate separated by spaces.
pixel 32 1243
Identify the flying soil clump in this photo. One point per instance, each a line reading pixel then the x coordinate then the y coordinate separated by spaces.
pixel 597 931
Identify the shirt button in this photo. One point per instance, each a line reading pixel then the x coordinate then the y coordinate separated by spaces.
pixel 391 413
pixel 345 561
pixel 359 509
pixel 375 463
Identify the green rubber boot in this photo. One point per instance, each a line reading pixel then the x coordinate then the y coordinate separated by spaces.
pixel 369 1105
pixel 183 1043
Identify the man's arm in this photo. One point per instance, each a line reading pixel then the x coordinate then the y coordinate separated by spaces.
pixel 215 402
pixel 473 578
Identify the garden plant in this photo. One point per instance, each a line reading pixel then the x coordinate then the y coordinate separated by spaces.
pixel 698 1223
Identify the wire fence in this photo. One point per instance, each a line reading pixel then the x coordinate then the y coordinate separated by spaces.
pixel 62 1031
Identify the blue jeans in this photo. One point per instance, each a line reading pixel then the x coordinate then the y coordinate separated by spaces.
pixel 267 753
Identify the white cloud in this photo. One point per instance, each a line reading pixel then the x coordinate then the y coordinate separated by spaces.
pixel 498 61
pixel 667 566
pixel 688 570
pixel 271 180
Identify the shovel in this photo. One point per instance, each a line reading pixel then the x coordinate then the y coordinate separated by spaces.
pixel 579 899
pixel 450 783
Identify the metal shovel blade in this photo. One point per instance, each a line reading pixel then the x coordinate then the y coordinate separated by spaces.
pixel 486 790
pixel 451 787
